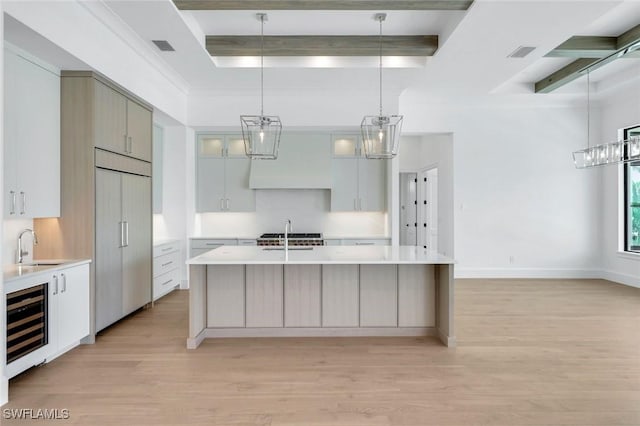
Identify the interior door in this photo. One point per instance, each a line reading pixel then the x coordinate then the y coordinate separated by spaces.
pixel 108 248
pixel 408 209
pixel 137 253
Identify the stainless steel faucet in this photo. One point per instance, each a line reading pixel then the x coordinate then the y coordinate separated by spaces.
pixel 287 228
pixel 21 252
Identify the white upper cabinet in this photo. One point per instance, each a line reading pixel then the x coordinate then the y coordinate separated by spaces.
pixel 358 184
pixel 31 137
pixel 222 178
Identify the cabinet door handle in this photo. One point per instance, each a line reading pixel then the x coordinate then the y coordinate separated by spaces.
pixel 126 145
pixel 126 234
pixel 167 264
pixel 64 283
pixel 227 204
pixel 13 202
pixel 23 208
pixel 130 144
pixel 355 204
pixel 121 234
pixel 55 285
pixel 167 249
pixel 359 203
pixel 221 204
pixel 365 244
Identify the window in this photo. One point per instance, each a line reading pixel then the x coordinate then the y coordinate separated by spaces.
pixel 632 200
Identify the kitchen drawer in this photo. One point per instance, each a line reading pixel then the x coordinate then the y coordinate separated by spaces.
pixel 164 264
pixel 211 244
pixel 166 248
pixel 163 284
pixel 247 243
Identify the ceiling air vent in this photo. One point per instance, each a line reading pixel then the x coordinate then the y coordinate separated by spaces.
pixel 163 45
pixel 521 52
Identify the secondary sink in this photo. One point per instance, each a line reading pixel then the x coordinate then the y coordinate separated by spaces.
pixel 42 263
pixel 290 248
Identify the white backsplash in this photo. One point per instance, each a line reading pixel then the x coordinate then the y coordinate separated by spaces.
pixel 11 228
pixel 308 209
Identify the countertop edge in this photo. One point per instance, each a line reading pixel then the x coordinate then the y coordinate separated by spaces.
pixel 11 275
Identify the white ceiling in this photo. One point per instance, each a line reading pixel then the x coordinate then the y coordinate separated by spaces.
pixel 471 59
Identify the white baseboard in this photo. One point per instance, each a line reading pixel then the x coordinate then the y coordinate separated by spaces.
pixel 630 280
pixel 526 273
pixel 320 332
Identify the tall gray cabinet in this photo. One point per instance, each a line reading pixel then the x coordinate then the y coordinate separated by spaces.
pixel 106 198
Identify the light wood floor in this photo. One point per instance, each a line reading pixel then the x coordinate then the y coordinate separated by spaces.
pixel 533 352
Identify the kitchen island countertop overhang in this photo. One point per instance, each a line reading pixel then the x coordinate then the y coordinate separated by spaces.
pixel 249 291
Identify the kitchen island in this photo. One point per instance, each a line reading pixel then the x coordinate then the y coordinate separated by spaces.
pixel 320 291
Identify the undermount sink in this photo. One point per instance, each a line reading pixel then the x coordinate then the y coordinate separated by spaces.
pixel 42 263
pixel 290 248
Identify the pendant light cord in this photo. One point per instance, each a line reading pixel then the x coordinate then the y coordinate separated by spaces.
pixel 588 108
pixel 380 62
pixel 262 66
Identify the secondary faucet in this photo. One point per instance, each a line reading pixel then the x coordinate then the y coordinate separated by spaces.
pixel 287 228
pixel 21 252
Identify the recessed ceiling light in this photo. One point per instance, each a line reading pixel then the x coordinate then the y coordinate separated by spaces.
pixel 521 52
pixel 163 45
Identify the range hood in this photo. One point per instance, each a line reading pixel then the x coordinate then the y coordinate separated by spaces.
pixel 304 162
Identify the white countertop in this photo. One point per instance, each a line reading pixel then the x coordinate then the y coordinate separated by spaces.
pixel 15 271
pixel 254 255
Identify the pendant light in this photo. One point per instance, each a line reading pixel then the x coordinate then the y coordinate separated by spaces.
pixel 618 152
pixel 261 133
pixel 381 133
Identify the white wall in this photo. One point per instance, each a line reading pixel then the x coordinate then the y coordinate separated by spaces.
pixel 172 223
pixel 11 228
pixel 82 30
pixel 418 153
pixel 619 110
pixel 296 108
pixel 4 382
pixel 521 209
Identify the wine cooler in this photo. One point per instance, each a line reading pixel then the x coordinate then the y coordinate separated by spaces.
pixel 26 321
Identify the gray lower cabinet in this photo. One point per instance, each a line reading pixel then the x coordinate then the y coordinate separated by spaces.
pixel 225 296
pixel 340 296
pixel 264 297
pixel 123 249
pixel 302 288
pixel 378 296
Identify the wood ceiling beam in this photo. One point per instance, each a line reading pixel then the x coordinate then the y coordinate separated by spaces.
pixel 323 4
pixel 627 44
pixel 424 45
pixel 585 47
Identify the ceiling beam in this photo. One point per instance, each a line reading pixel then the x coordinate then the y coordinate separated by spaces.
pixel 424 45
pixel 585 47
pixel 564 75
pixel 626 44
pixel 323 4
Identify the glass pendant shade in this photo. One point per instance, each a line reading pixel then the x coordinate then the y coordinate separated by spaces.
pixel 261 136
pixel 611 153
pixel 381 135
